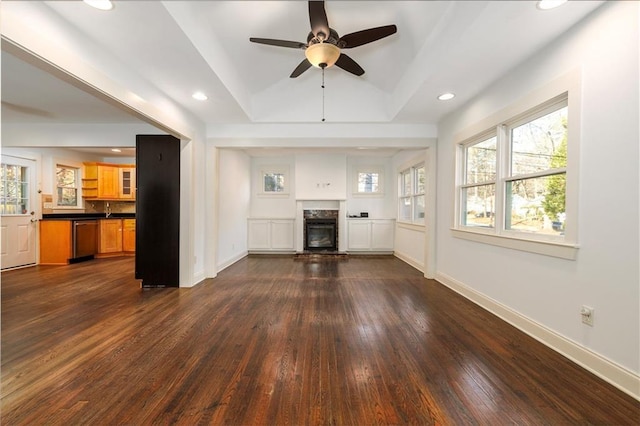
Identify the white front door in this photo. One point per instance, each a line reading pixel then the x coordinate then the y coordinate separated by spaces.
pixel 17 209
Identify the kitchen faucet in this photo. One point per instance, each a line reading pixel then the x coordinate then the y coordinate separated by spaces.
pixel 108 210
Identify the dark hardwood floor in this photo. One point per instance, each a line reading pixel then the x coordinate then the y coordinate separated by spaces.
pixel 273 340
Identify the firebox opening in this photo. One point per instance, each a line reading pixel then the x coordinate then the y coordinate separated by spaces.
pixel 321 235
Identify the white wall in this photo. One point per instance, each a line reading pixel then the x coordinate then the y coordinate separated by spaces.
pixel 273 206
pixel 74 135
pixel 378 206
pixel 234 192
pixel 309 175
pixel 410 240
pixel 321 177
pixel 550 291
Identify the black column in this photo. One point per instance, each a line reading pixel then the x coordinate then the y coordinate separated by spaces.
pixel 157 210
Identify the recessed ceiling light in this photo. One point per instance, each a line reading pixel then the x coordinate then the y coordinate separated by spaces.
pixel 200 96
pixel 446 96
pixel 100 4
pixel 116 150
pixel 550 4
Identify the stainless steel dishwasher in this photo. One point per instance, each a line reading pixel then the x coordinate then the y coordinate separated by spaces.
pixel 84 239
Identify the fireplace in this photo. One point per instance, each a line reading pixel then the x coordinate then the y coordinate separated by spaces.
pixel 320 235
pixel 321 230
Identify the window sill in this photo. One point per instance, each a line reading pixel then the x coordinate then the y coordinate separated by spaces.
pixel 273 194
pixel 368 194
pixel 547 248
pixel 412 226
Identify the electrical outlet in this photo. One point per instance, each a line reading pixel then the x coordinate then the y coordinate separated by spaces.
pixel 587 315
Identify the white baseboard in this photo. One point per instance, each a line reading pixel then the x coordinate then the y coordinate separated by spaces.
pixel 198 278
pixel 231 261
pixel 413 262
pixel 369 253
pixel 620 377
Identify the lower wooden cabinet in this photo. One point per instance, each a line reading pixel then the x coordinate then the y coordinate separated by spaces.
pixel 117 236
pixel 128 235
pixel 55 242
pixel 110 236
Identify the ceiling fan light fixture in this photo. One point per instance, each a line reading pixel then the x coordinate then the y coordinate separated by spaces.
pixel 100 4
pixel 322 55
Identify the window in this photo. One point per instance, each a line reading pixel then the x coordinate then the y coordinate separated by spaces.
pixel 536 178
pixel 513 178
pixel 479 188
pixel 368 181
pixel 411 194
pixel 14 189
pixel 274 181
pixel 67 193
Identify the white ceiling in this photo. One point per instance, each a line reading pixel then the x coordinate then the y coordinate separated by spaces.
pixel 183 46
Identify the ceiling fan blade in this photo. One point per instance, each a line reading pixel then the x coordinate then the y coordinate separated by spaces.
pixel 348 64
pixel 318 19
pixel 302 67
pixel 366 36
pixel 279 43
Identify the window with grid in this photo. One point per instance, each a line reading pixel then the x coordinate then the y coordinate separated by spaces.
pixel 411 194
pixel 67 179
pixel 513 180
pixel 14 189
pixel 274 181
pixel 368 181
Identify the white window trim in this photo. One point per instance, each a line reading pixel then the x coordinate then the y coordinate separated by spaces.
pixel 566 247
pixel 368 169
pixel 54 196
pixel 284 170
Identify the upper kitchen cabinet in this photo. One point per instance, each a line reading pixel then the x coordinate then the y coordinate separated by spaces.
pixel 127 183
pixel 108 182
pixel 103 181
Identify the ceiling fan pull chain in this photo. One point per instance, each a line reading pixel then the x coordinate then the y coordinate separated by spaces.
pixel 323 93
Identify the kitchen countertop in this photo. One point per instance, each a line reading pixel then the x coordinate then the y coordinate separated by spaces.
pixel 80 216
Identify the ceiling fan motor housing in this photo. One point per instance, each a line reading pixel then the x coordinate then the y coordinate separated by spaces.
pixel 333 38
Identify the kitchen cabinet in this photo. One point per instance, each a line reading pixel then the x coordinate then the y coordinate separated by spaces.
pixel 271 234
pixel 110 232
pixel 128 235
pixel 127 183
pixel 102 181
pixel 108 184
pixel 90 180
pixel 370 234
pixel 55 242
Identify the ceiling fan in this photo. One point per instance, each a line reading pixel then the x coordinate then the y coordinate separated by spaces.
pixel 323 45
